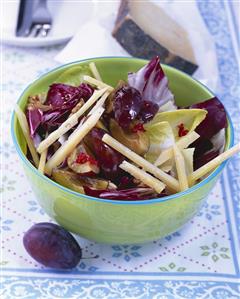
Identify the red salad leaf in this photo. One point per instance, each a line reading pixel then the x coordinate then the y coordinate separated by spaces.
pixel 205 158
pixel 62 95
pixel 86 90
pixel 147 92
pixel 126 181
pixel 206 147
pixel 201 145
pixel 55 117
pixel 108 159
pixel 63 98
pixel 34 117
pixel 152 83
pixel 215 120
pixel 148 111
pixel 126 105
pixel 126 194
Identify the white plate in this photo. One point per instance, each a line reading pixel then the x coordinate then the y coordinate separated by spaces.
pixel 67 15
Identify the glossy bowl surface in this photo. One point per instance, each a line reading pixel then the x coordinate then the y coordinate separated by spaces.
pixel 110 221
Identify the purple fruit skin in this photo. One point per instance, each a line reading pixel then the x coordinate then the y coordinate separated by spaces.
pixel 52 246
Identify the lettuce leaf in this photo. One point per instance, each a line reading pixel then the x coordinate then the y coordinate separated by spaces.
pixel 161 137
pixel 189 118
pixel 74 75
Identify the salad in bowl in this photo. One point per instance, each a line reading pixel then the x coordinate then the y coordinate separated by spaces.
pixel 125 142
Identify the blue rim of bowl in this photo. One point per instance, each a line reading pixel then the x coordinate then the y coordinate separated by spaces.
pixel 113 201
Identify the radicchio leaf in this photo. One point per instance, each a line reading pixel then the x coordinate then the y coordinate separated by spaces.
pixel 126 181
pixel 152 83
pixel 215 120
pixel 211 131
pixel 34 117
pixel 147 92
pixel 205 158
pixel 148 111
pixel 126 106
pixel 62 95
pixel 108 158
pixel 126 194
pixel 63 98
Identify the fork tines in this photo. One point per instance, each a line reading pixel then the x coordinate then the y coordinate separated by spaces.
pixel 34 19
pixel 41 30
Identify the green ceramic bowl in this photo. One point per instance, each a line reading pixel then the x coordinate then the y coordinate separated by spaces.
pixel 110 221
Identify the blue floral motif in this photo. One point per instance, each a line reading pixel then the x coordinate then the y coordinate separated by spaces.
pixel 100 292
pixel 126 251
pixel 35 207
pixel 83 266
pixel 12 86
pixel 7 184
pixel 6 149
pixel 185 292
pixel 5 224
pixel 15 57
pixel 74 288
pixel 209 211
pixel 170 237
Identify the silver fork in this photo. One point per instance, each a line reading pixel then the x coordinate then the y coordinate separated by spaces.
pixel 41 20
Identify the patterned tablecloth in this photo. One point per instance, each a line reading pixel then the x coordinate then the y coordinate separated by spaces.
pixel 199 261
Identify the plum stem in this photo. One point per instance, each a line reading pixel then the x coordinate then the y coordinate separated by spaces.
pixel 90 257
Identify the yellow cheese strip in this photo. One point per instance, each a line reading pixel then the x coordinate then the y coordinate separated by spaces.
pixel 25 129
pixel 99 103
pixel 197 174
pixel 180 167
pixel 73 141
pixel 42 162
pixel 147 166
pixel 94 71
pixel 140 174
pixel 97 83
pixel 70 122
pixel 188 159
pixel 182 143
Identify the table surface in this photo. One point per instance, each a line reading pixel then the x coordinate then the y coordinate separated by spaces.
pixel 199 261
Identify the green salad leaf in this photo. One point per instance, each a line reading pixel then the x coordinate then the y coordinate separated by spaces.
pixel 190 118
pixel 161 137
pixel 74 75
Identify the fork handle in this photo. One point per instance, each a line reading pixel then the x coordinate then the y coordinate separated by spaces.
pixel 40 3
